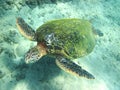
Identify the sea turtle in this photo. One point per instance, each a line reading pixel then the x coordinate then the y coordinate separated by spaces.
pixel 62 39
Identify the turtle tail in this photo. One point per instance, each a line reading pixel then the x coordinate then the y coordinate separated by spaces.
pixel 25 29
pixel 70 67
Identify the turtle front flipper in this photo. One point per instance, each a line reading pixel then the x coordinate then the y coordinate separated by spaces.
pixel 70 67
pixel 25 29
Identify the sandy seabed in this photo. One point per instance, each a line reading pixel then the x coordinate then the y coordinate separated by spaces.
pixel 103 62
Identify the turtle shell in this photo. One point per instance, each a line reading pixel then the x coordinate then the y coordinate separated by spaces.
pixel 74 36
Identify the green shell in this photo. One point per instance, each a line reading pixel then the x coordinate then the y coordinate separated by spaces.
pixel 74 36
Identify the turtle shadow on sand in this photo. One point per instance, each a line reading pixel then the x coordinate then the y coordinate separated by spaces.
pixel 43 70
pixel 41 74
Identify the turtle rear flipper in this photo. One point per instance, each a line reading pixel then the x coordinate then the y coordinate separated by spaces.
pixel 70 67
pixel 25 29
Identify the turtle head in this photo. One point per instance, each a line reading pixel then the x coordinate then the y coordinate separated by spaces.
pixel 34 54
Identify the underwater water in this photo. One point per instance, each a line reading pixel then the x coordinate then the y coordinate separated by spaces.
pixel 103 62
